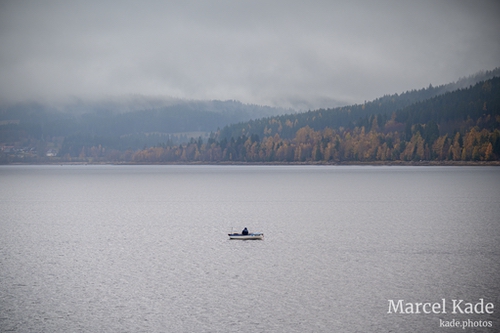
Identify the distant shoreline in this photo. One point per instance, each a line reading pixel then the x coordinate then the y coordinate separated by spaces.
pixel 351 163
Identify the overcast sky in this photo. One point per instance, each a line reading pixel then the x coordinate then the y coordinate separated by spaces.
pixel 280 53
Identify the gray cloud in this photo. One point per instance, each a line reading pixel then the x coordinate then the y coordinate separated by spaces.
pixel 284 53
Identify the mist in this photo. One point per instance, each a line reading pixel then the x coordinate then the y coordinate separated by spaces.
pixel 291 54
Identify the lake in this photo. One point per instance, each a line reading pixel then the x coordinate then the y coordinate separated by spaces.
pixel 145 249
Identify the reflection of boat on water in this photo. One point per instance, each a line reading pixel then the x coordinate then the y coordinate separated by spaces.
pixel 251 235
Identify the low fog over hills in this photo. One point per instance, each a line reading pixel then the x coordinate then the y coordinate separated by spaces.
pixel 33 132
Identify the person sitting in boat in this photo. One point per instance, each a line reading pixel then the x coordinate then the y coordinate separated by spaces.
pixel 245 231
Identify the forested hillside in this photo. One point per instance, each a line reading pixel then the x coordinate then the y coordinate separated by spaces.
pixel 463 125
pixel 30 131
pixel 349 116
pixel 455 122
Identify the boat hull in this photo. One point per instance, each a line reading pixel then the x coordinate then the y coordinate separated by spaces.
pixel 255 235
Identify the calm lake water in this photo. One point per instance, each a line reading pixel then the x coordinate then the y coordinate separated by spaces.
pixel 145 248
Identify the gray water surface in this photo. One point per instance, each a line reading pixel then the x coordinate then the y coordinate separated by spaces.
pixel 145 248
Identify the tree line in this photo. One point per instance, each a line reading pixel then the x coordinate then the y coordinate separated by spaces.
pixel 332 146
pixel 463 125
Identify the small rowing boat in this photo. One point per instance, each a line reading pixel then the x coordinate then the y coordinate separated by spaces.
pixel 252 235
